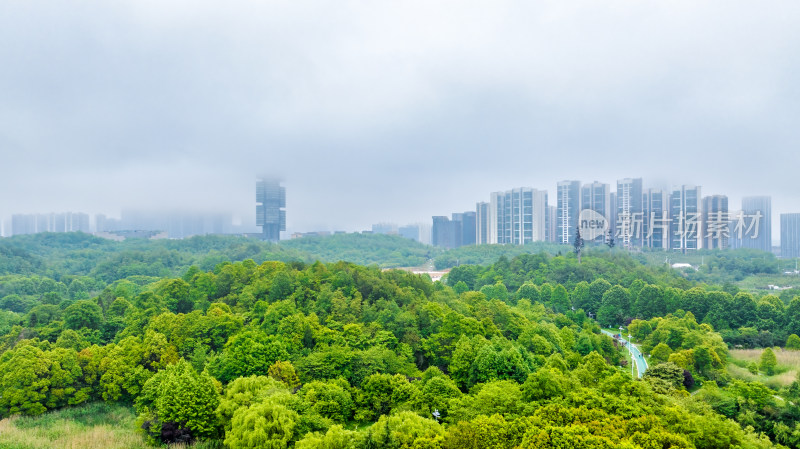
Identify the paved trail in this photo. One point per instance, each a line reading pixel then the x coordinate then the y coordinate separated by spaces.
pixel 641 363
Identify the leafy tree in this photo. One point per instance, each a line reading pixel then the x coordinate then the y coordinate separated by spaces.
pixel 177 295
pixel 597 289
pixel 651 302
pixel 547 383
pixel 559 299
pixel 246 391
pixel 577 245
pixel 248 353
pixel 24 381
pixel 181 397
pixel 267 424
pixel 14 303
pixel 669 373
pixel 496 291
pixel 460 287
pixel 83 314
pixel 580 295
pixel 615 306
pixel 437 391
pixel 385 392
pixel 528 291
pixel 793 342
pixel 742 312
pixel 660 353
pixel 329 399
pixel 284 372
pixel 405 430
pixel 337 437
pixel 768 362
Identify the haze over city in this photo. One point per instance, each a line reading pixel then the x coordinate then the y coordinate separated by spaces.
pixel 390 112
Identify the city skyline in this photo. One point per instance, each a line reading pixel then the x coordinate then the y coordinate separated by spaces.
pixel 234 222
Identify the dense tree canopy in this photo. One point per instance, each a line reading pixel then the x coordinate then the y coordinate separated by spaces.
pixel 277 351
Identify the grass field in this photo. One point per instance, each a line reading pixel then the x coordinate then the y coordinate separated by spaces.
pixel 785 373
pixel 93 426
pixel 759 282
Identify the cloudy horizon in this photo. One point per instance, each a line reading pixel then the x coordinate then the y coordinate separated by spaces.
pixel 379 112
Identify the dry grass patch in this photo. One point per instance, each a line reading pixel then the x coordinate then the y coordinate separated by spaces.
pixel 92 426
pixel 66 429
pixel 785 372
pixel 71 436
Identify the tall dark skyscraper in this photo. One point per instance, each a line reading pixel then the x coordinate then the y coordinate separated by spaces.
pixel 790 236
pixel 270 208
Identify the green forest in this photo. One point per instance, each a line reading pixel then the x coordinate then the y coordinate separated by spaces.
pixel 225 342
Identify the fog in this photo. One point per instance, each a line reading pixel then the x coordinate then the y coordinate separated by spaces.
pixel 380 111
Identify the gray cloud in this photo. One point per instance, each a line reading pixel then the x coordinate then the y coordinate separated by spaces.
pixel 389 112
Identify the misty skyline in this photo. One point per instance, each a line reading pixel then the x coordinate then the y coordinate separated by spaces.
pixel 390 112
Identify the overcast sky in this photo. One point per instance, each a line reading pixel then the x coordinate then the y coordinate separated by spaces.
pixel 390 111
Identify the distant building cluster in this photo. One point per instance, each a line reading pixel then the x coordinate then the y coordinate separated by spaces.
pixel 62 222
pixel 140 224
pixel 420 232
pixel 460 230
pixel 630 216
pixel 176 225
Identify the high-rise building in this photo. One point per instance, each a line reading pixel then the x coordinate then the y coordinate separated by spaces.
pixel 519 215
pixel 456 231
pixel 457 220
pixel 551 219
pixel 752 227
pixel 685 218
pixel 630 213
pixel 656 229
pixel 715 222
pixel 790 236
pixel 446 233
pixel 568 204
pixel 468 227
pixel 495 229
pixel 597 197
pixel 482 223
pixel 270 208
pixel 612 219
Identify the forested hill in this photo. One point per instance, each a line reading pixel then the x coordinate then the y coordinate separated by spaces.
pixel 78 254
pixel 387 251
pixel 58 254
pixel 345 356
